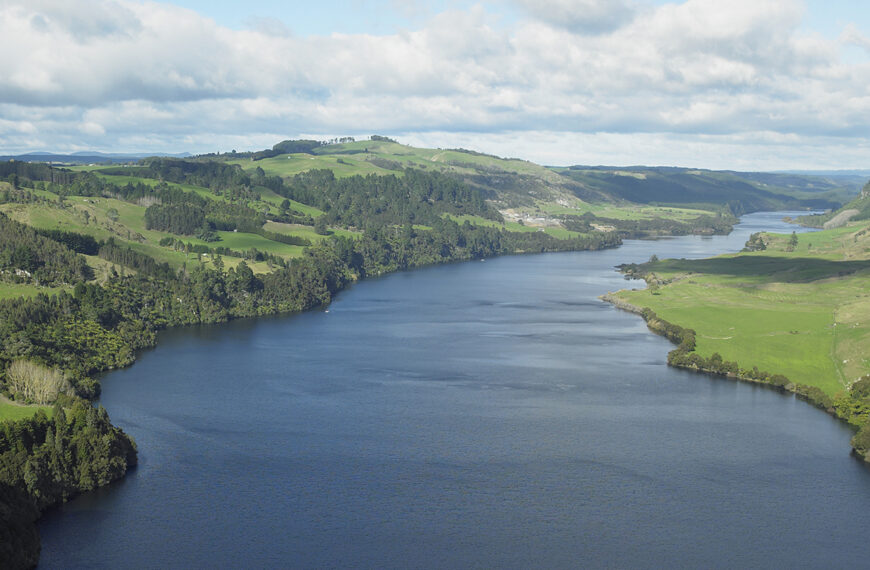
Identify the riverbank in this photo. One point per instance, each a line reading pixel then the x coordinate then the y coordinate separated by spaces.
pixel 798 308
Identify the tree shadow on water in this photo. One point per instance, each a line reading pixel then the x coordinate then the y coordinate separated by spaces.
pixel 772 268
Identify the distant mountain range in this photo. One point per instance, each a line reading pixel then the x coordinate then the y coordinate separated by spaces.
pixel 86 157
pixel 861 173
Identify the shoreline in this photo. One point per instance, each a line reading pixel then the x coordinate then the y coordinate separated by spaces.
pixel 661 327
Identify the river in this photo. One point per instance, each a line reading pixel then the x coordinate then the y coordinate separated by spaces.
pixel 481 414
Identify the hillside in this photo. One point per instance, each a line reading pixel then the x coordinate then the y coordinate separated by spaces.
pixel 547 197
pixel 855 209
pixel 742 192
pixel 374 206
pixel 380 206
pixel 528 195
pixel 167 224
pixel 516 183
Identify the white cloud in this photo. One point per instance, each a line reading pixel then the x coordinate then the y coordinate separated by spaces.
pixel 121 72
pixel 584 16
pixel 851 35
pixel 750 151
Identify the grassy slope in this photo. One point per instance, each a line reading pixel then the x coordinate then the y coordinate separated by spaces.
pixel 755 191
pixel 12 411
pixel 557 232
pixel 13 290
pixel 524 189
pixel 805 314
pixel 129 227
pixel 306 232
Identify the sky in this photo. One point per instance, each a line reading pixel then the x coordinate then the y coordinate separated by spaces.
pixel 742 84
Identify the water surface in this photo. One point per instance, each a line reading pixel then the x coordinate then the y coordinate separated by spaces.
pixel 484 414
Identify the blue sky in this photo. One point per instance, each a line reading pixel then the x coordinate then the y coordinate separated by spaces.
pixel 827 17
pixel 376 17
pixel 743 84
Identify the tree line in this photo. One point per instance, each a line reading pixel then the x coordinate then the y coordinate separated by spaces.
pixel 721 223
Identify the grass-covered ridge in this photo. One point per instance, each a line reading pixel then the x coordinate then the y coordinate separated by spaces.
pixel 532 190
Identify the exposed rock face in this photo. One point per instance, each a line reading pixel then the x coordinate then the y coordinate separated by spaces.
pixel 841 218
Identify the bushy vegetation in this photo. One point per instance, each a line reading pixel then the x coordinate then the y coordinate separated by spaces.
pixel 184 219
pixel 416 197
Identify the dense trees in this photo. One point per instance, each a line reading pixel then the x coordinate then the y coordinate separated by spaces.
pixel 27 256
pixel 45 461
pixel 184 219
pixel 416 197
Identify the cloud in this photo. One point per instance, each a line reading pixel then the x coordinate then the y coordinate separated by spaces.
pixel 749 151
pixel 124 72
pixel 583 16
pixel 851 35
pixel 269 26
pixel 83 20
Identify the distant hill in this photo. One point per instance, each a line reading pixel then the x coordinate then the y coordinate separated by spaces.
pixel 85 157
pixel 856 209
pixel 515 183
pixel 865 174
pixel 741 191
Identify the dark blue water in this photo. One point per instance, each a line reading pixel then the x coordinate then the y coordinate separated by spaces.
pixel 473 415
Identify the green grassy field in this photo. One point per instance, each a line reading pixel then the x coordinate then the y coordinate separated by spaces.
pixel 306 232
pixel 13 290
pixel 802 313
pixel 128 228
pixel 385 158
pixel 557 232
pixel 12 411
pixel 293 164
pixel 274 202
